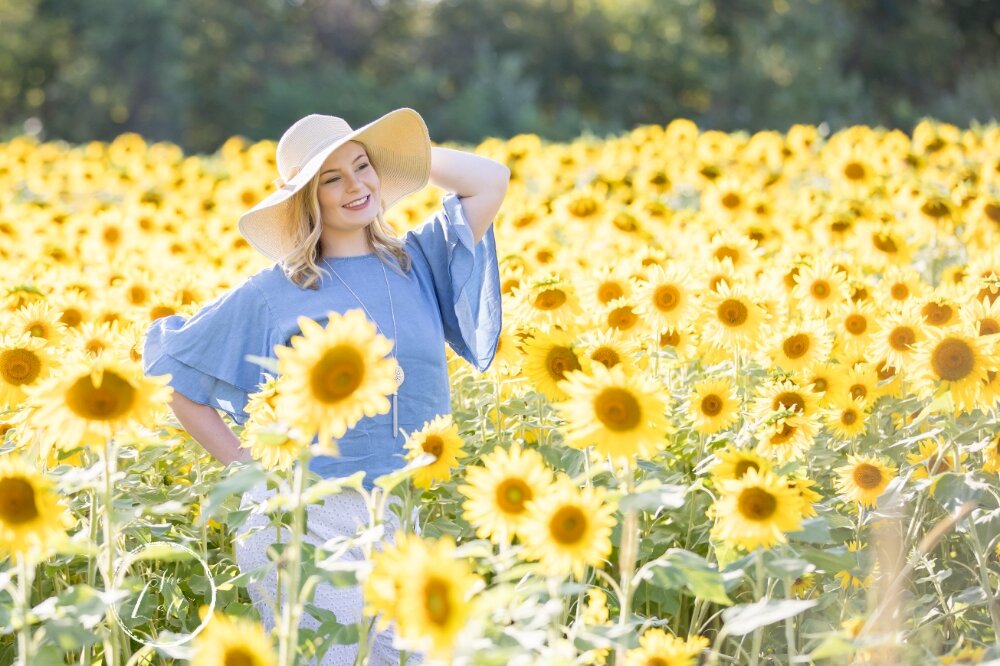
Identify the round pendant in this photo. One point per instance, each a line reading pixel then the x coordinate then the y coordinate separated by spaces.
pixel 399 375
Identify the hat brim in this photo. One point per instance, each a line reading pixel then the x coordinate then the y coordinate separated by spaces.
pixel 399 147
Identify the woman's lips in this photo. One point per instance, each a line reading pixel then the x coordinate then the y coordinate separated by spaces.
pixel 362 206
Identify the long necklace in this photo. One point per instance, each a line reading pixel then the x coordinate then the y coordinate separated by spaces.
pixel 399 375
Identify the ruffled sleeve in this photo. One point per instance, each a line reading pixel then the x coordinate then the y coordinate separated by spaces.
pixel 466 279
pixel 206 353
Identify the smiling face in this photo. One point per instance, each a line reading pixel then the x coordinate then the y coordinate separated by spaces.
pixel 347 176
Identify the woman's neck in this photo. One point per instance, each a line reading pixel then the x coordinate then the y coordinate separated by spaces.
pixel 352 244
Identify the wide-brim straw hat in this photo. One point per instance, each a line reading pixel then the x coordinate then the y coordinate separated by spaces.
pixel 398 145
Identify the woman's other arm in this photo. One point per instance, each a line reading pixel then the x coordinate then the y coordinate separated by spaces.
pixel 481 184
pixel 208 429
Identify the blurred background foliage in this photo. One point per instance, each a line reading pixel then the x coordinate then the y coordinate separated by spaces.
pixel 196 73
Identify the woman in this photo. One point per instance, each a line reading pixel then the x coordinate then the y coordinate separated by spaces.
pixel 324 228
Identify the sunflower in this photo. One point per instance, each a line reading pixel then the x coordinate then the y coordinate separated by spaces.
pixel 957 361
pixel 798 403
pixel 931 460
pixel 731 318
pixel 864 478
pixel 508 353
pixel 228 639
pixel 897 336
pixel 25 361
pixel 939 311
pixel 90 399
pixel 757 509
pixel 846 417
pixel 853 325
pixel 991 455
pixel 982 315
pixel 668 299
pixel 623 316
pixel 40 320
pixel 334 375
pixel 380 588
pixel 733 463
pixel 271 442
pixel 797 345
pixel 33 519
pixel 497 493
pixel 607 347
pixel 95 338
pixel 861 382
pixel 784 440
pixel 548 357
pixel 902 286
pixel 435 597
pixel 714 405
pixel 658 648
pixel 439 437
pixel 619 415
pixel 568 528
pixel 820 287
pixel 847 579
pixel 824 379
pixel 546 300
pixel 808 496
pixel 606 284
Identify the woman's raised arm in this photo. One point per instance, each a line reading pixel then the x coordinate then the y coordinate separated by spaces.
pixel 206 426
pixel 481 184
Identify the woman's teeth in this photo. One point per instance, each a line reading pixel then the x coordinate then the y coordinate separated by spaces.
pixel 358 203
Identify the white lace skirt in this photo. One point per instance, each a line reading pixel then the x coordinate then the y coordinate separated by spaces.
pixel 339 515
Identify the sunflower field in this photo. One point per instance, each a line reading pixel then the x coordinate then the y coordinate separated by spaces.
pixel 743 411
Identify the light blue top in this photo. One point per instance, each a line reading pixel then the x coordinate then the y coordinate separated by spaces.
pixel 452 293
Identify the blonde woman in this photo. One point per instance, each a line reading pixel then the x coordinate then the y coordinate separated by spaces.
pixel 324 228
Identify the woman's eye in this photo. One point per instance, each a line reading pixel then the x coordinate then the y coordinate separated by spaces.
pixel 363 165
pixel 332 180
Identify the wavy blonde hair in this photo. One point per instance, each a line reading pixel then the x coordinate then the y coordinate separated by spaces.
pixel 300 264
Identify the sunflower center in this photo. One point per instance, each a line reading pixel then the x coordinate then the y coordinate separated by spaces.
pixel 901 338
pixel 992 211
pixel 512 494
pixel 743 466
pixel 711 405
pixel 584 207
pixel 859 391
pixel 789 400
pixel 820 385
pixel 17 501
pixel 819 289
pixel 622 318
pixel 237 656
pixel 433 445
pixel 667 297
pixel 935 208
pixel 867 477
pixel 900 291
pixel 756 504
pixel 728 252
pixel 953 359
pixel 19 366
pixel 782 437
pixel 617 409
pixel 436 601
pixel 609 291
pixel 568 525
pixel 670 339
pixel 796 346
pixel 109 401
pixel 731 200
pixel 936 314
pixel 561 360
pixel 732 313
pixel 856 324
pixel 988 326
pixel 37 330
pixel 609 357
pixel 885 243
pixel 71 317
pixel 337 374
pixel 656 661
pixel 854 171
pixel 848 417
pixel 550 299
pixel 884 371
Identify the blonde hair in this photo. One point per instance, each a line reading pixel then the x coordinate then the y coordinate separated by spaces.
pixel 300 264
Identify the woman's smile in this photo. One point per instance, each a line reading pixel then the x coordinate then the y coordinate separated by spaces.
pixel 358 204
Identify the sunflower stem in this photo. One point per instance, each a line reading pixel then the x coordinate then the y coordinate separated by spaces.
pixel 758 584
pixel 626 559
pixel 984 577
pixel 790 624
pixel 291 560
pixel 109 555
pixel 24 580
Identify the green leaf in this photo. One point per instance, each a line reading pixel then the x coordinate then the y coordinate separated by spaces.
pixel 660 497
pixel 814 530
pixel 787 567
pixel 678 568
pixel 952 490
pixel 744 618
pixel 832 560
pixel 243 479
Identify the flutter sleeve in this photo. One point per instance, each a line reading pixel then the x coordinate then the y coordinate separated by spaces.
pixel 466 279
pixel 206 353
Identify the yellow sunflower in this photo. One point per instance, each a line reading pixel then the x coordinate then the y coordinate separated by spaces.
pixel 824 379
pixel 439 437
pixel 983 315
pixel 732 319
pixel 546 300
pixel 609 348
pixel 798 345
pixel 846 417
pixel 864 478
pixel 931 459
pixel 498 492
pixel 938 310
pixel 334 375
pixel 853 325
pixel 89 400
pixel 902 287
pixel 957 361
pixel 820 287
pixel 847 579
pixel 897 337
pixel 668 299
pixel 40 320
pixel 619 415
pixel 232 640
pixel 734 463
pixel 808 496
pixel 606 284
pixel 25 361
pixel 658 648
pixel 271 442
pixel 33 520
pixel 757 509
pixel 991 455
pixel 623 316
pixel 714 405
pixel 568 528
pixel 548 357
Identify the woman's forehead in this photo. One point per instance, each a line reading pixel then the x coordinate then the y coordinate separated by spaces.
pixel 345 154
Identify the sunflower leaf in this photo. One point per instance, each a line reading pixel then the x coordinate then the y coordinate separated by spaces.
pixel 660 497
pixel 678 568
pixel 744 618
